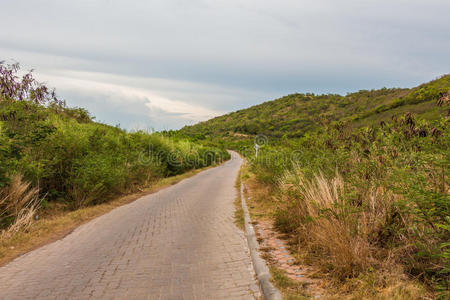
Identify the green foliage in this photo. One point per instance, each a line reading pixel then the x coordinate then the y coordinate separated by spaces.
pixel 4 155
pixel 79 162
pixel 394 202
pixel 297 114
pixel 406 163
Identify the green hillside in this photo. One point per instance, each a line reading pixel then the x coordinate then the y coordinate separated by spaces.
pixel 296 114
pixel 367 206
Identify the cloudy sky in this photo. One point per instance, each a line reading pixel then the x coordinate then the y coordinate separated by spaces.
pixel 163 64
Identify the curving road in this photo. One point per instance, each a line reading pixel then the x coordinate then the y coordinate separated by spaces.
pixel 179 243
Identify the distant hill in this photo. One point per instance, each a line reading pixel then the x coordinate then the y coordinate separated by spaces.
pixel 295 114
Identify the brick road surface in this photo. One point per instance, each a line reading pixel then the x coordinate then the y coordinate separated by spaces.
pixel 179 243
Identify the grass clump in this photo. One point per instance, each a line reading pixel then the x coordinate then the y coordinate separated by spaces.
pixel 18 204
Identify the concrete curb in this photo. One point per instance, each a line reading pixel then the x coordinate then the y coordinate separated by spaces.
pixel 261 269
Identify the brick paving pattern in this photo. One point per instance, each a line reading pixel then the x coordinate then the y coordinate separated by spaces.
pixel 179 243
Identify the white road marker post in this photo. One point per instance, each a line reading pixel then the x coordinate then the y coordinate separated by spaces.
pixel 256 149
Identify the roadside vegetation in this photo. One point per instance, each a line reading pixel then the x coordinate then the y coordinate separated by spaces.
pixel 56 157
pixel 362 190
pixel 359 183
pixel 366 201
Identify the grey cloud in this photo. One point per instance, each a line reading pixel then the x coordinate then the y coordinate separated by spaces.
pixel 224 55
pixel 132 115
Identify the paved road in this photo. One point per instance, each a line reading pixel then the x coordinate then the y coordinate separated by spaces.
pixel 179 243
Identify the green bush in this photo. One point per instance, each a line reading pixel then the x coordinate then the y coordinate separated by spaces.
pixel 79 162
pixel 4 157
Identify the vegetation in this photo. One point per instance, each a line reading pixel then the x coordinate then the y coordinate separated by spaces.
pixel 51 154
pixel 295 115
pixel 360 183
pixel 366 199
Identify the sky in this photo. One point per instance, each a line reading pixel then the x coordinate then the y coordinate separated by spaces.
pixel 163 64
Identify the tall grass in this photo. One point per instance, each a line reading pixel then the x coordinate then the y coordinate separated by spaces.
pixel 18 204
pixel 364 200
pixel 337 232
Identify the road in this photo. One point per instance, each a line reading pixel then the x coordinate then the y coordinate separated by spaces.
pixel 178 243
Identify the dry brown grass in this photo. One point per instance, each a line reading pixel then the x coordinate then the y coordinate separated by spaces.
pixel 336 242
pixel 328 227
pixel 380 285
pixel 339 232
pixel 18 202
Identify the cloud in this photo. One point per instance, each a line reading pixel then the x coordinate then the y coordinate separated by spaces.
pixel 192 59
pixel 144 106
pixel 108 85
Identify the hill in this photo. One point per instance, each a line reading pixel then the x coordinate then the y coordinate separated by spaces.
pixel 296 114
pixel 358 183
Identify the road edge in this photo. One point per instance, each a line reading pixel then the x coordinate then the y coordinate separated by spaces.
pixel 259 264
